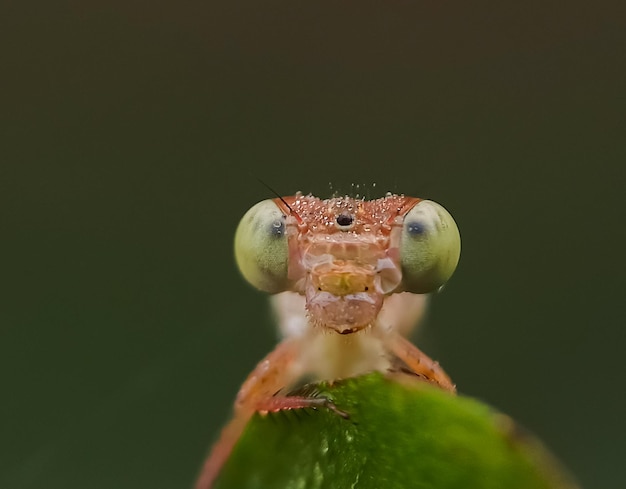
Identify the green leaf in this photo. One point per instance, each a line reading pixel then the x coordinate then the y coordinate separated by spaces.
pixel 397 436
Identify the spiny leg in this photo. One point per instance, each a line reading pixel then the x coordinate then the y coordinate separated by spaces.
pixel 275 404
pixel 273 373
pixel 418 362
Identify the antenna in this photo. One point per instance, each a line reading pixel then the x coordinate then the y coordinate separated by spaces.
pixel 294 213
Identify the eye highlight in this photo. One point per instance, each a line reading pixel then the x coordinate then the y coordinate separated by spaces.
pixel 429 249
pixel 261 248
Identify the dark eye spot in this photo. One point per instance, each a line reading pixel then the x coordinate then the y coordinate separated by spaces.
pixel 415 228
pixel 278 227
pixel 344 219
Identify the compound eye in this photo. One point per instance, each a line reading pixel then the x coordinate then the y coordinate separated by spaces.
pixel 429 249
pixel 261 248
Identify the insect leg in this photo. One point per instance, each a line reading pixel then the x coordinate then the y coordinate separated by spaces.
pixel 275 371
pixel 418 362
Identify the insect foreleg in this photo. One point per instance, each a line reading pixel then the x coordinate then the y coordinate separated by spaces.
pixel 418 362
pixel 277 370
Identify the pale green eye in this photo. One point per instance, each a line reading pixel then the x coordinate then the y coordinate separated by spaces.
pixel 261 248
pixel 430 247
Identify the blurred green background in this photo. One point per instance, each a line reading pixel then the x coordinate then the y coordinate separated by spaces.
pixel 132 136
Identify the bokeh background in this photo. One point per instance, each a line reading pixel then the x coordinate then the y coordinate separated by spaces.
pixel 132 137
